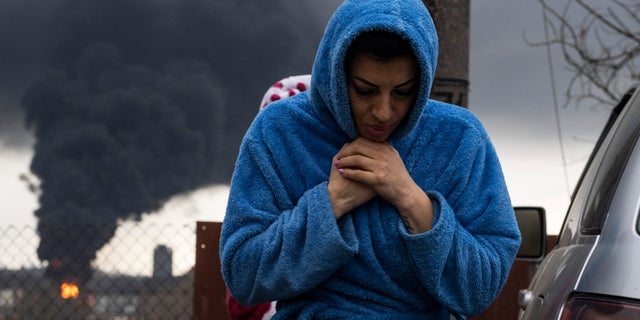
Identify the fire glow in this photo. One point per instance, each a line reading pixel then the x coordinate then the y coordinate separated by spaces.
pixel 69 291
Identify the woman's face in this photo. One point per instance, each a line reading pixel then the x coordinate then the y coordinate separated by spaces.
pixel 381 93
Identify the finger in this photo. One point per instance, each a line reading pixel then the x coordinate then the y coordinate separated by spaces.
pixel 356 162
pixel 356 175
pixel 355 148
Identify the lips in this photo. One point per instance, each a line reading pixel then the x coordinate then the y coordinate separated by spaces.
pixel 379 132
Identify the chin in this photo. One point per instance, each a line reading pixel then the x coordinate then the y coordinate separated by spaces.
pixel 376 139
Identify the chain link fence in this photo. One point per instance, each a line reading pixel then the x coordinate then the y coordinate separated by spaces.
pixel 144 272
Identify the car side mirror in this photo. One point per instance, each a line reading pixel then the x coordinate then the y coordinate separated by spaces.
pixel 533 228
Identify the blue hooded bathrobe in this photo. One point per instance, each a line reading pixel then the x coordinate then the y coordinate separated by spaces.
pixel 280 239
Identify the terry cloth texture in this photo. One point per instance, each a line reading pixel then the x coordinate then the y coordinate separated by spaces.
pixel 285 88
pixel 280 240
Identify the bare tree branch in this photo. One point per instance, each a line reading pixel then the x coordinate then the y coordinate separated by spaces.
pixel 600 45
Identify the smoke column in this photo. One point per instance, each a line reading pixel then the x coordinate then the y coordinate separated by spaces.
pixel 143 100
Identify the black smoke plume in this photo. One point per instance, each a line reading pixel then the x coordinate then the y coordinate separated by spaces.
pixel 147 99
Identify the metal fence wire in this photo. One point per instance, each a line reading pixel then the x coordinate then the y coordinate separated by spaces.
pixel 143 272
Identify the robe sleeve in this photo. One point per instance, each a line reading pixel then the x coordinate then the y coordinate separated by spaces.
pixel 465 259
pixel 273 247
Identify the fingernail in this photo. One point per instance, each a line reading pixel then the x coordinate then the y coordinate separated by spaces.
pixel 335 163
pixel 340 171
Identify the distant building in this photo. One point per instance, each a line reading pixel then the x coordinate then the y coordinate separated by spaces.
pixel 162 262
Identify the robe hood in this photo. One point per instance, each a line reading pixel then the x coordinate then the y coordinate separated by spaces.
pixel 407 18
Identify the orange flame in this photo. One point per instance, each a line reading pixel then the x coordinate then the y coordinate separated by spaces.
pixel 69 290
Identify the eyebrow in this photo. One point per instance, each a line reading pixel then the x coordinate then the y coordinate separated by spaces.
pixel 375 85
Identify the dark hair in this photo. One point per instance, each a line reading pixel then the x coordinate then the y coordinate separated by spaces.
pixel 383 45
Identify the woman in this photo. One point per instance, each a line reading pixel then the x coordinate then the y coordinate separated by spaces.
pixel 363 199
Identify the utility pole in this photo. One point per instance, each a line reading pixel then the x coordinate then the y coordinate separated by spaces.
pixel 451 83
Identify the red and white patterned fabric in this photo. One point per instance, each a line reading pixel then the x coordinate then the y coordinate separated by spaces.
pixel 285 88
pixel 237 311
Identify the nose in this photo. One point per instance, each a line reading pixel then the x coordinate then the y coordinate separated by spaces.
pixel 382 109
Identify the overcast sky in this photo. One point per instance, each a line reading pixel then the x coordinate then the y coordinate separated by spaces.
pixel 511 92
pixel 174 42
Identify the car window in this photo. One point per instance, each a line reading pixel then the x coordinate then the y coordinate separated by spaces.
pixel 581 198
pixel 614 157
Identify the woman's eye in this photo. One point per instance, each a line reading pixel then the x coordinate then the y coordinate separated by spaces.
pixel 363 92
pixel 405 93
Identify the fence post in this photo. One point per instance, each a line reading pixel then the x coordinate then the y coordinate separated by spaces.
pixel 209 289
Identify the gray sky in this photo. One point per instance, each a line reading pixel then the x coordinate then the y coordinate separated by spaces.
pixel 511 92
pixel 510 88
